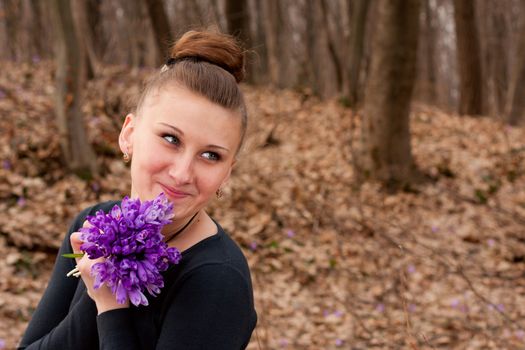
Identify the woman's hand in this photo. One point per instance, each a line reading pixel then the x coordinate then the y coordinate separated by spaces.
pixel 102 296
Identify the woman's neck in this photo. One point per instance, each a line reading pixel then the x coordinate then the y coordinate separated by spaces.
pixel 201 227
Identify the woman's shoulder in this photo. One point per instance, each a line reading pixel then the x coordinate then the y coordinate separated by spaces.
pixel 215 254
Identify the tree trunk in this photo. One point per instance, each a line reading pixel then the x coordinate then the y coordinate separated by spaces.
pixel 386 152
pixel 499 58
pixel 237 18
pixel 238 23
pixel 322 62
pixel 81 9
pixel 260 57
pixel 12 16
pixel 39 33
pixel 469 58
pixel 517 100
pixel 273 28
pixel 358 16
pixel 78 154
pixel 161 28
pixel 332 46
pixel 429 81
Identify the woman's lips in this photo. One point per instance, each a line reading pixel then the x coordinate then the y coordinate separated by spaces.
pixel 171 192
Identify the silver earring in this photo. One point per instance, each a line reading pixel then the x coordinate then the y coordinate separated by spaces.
pixel 125 157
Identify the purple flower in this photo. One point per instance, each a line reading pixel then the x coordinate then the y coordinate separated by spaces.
pixel 6 164
pixel 290 233
pixel 338 313
pixel 338 342
pixel 2 344
pixel 380 307
pixel 253 246
pixel 129 238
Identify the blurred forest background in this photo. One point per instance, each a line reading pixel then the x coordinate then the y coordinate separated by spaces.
pixel 380 199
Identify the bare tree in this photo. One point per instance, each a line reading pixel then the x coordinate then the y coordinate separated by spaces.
pixel 259 58
pixel 517 102
pixel 386 152
pixel 358 15
pixel 12 10
pixel 77 151
pixel 161 27
pixel 427 77
pixel 469 58
pixel 325 72
pixel 238 22
pixel 274 27
pixel 39 35
pixel 238 19
pixel 82 9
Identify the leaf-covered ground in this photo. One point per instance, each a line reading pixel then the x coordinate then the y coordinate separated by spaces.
pixel 335 263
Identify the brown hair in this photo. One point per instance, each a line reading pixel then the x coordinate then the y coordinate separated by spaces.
pixel 208 63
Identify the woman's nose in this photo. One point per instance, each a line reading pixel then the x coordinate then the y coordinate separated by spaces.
pixel 182 169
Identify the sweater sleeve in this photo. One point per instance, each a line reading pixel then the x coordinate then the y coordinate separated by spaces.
pixel 55 324
pixel 212 309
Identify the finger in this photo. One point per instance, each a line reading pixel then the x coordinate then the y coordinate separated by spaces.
pixel 76 242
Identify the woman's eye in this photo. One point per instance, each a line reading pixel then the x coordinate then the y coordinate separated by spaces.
pixel 211 156
pixel 171 139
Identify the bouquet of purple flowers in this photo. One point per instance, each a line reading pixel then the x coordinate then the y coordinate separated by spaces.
pixel 129 239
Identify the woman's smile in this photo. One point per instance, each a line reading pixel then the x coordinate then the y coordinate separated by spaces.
pixel 173 193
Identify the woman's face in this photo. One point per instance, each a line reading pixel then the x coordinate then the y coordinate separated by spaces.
pixel 181 144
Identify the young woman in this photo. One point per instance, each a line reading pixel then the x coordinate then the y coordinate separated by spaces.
pixel 182 140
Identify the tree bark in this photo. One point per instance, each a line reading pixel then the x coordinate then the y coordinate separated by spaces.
pixel 386 150
pixel 332 46
pixel 81 9
pixel 358 16
pixel 273 28
pixel 323 71
pixel 429 82
pixel 238 23
pixel 469 58
pixel 260 57
pixel 12 23
pixel 78 154
pixel 517 101
pixel 161 28
pixel 39 34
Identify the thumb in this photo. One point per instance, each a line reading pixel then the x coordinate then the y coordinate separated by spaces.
pixel 76 242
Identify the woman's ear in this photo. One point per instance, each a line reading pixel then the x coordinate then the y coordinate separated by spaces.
pixel 227 177
pixel 125 139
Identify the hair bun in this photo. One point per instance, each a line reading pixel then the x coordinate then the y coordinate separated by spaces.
pixel 220 49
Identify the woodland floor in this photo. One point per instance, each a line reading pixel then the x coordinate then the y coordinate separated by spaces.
pixel 335 263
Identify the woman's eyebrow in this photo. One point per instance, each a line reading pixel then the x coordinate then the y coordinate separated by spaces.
pixel 180 132
pixel 172 127
pixel 220 147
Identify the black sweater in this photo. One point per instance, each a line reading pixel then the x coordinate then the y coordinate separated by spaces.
pixel 206 303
